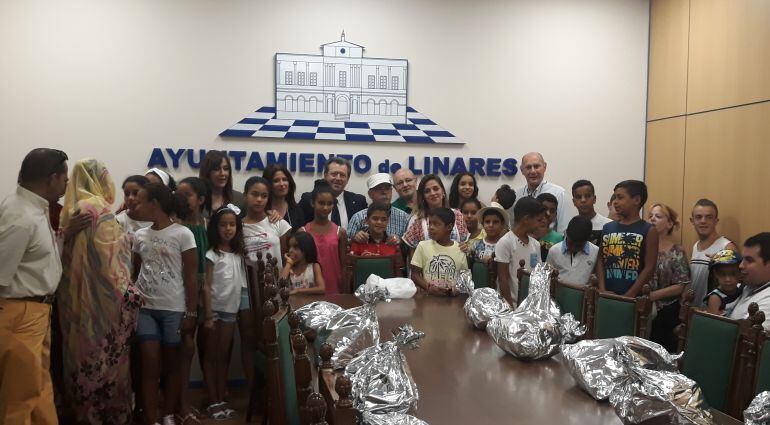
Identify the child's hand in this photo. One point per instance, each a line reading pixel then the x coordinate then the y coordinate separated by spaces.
pixel 361 237
pixel 464 247
pixel 393 240
pixel 209 323
pixel 287 260
pixel 439 288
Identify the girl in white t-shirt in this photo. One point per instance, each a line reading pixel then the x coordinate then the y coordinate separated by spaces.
pixel 302 268
pixel 131 187
pixel 165 265
pixel 225 276
pixel 259 235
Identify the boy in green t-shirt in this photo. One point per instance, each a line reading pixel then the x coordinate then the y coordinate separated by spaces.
pixel 437 262
pixel 548 237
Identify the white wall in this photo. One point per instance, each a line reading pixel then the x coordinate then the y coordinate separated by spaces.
pixel 113 79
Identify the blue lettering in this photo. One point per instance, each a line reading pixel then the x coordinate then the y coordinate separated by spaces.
pixel 191 157
pixel 362 164
pixel 321 161
pixel 476 166
pixel 306 163
pixel 509 167
pixel 255 161
pixel 384 166
pixel 412 167
pixel 175 156
pixel 273 159
pixel 237 157
pixel 441 165
pixel 157 159
pixel 293 162
pixel 458 167
pixel 493 167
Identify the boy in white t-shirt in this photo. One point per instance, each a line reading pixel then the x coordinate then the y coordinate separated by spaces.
pixel 438 261
pixel 517 245
pixel 584 199
pixel 575 257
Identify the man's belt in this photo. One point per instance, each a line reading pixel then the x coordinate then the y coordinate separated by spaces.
pixel 45 299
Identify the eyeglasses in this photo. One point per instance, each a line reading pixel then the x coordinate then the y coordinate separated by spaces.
pixel 405 182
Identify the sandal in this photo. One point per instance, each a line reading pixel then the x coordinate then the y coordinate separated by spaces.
pixel 217 412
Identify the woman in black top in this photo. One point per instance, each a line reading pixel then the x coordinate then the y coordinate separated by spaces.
pixel 283 202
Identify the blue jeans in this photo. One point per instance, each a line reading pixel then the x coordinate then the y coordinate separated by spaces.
pixel 159 325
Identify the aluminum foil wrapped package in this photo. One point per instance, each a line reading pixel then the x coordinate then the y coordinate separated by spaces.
pixel 597 366
pixel 380 381
pixel 317 314
pixel 390 419
pixel 661 395
pixel 758 412
pixel 483 304
pixel 352 330
pixel 536 329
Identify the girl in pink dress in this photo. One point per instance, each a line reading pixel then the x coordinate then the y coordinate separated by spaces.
pixel 330 239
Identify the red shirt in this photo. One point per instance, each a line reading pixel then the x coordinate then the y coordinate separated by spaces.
pixel 372 249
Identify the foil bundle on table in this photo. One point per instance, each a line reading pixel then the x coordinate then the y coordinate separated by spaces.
pixel 758 412
pixel 597 367
pixel 483 304
pixel 653 394
pixel 352 330
pixel 317 314
pixel 380 381
pixel 536 328
pixel 390 419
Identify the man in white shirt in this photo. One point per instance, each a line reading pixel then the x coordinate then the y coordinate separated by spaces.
pixel 29 275
pixel 337 174
pixel 575 257
pixel 533 167
pixel 755 268
pixel 704 218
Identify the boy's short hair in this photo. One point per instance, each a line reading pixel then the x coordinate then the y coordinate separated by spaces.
pixel 493 211
pixel 548 197
pixel 634 188
pixel 705 202
pixel 506 196
pixel 612 197
pixel 378 206
pixel 579 229
pixel 527 207
pixel 446 215
pixel 581 183
pixel 762 240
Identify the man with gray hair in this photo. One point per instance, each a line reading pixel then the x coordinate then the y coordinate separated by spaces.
pixel 533 167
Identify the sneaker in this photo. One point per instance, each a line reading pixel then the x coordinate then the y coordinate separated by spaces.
pixel 169 420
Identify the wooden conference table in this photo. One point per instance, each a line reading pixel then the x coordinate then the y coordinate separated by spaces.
pixel 463 377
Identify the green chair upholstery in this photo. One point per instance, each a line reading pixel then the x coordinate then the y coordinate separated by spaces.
pixel 286 362
pixel 480 275
pixel 382 267
pixel 708 356
pixel 763 369
pixel 614 318
pixel 523 287
pixel 570 300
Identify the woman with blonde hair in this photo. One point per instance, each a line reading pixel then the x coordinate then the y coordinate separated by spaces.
pixel 97 302
pixel 672 274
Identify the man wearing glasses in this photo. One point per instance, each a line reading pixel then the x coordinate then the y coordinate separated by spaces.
pixel 406 187
pixel 30 271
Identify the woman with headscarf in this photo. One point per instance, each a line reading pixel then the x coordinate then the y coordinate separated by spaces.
pixel 97 303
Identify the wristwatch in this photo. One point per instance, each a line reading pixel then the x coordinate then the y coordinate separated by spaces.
pixel 193 314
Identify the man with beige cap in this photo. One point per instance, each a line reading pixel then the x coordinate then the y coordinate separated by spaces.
pixel 380 191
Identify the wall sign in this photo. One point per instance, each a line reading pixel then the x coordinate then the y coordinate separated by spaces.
pixel 341 95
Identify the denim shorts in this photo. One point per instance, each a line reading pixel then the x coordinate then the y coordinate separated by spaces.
pixel 244 299
pixel 224 317
pixel 159 325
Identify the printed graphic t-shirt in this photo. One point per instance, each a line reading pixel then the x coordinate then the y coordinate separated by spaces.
pixel 440 264
pixel 622 252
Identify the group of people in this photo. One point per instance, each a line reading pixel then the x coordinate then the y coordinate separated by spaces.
pixel 138 290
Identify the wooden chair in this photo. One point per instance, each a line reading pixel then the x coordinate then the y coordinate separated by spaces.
pixel 336 390
pixel 762 380
pixel 523 275
pixel 484 276
pixel 720 354
pixel 580 300
pixel 360 267
pixel 616 315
